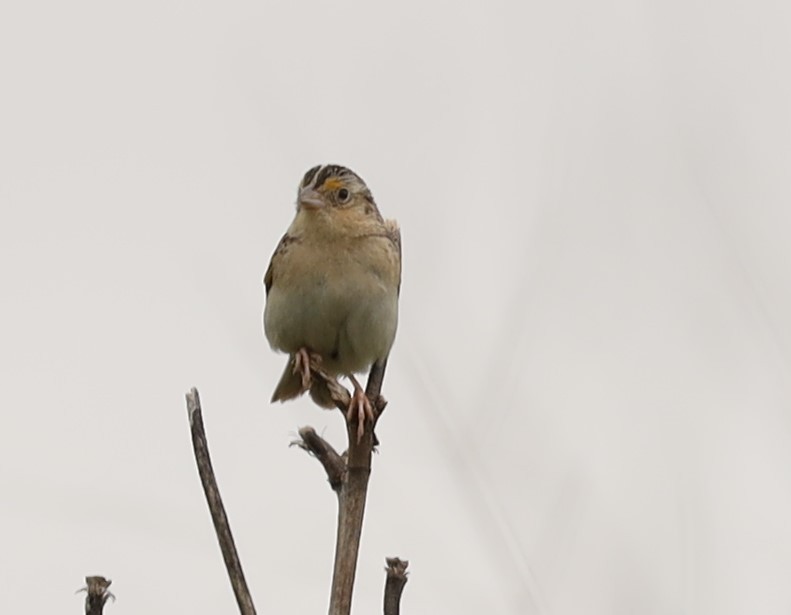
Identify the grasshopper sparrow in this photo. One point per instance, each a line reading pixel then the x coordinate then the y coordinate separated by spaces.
pixel 332 287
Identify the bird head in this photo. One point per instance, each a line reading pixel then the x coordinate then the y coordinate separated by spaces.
pixel 333 187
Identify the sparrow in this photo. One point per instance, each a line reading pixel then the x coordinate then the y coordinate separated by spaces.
pixel 332 288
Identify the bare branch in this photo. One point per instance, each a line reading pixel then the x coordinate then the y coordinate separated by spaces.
pixel 350 522
pixel 218 516
pixel 351 503
pixel 352 488
pixel 394 585
pixel 375 380
pixel 333 463
pixel 338 392
pixel 98 593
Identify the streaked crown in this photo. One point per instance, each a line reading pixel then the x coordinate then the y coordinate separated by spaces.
pixel 329 179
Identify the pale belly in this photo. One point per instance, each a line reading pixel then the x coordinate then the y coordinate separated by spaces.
pixel 349 328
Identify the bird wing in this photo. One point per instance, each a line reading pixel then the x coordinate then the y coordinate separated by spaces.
pixel 279 252
pixel 393 233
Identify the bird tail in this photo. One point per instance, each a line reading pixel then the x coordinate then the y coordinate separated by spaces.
pixel 320 394
pixel 290 385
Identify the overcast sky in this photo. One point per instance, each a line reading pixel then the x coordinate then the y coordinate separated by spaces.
pixel 590 408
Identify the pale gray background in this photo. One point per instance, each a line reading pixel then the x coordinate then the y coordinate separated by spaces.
pixel 589 390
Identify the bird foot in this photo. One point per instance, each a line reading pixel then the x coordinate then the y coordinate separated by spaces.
pixel 302 365
pixel 360 406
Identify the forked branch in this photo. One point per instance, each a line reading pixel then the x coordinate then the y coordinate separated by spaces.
pixel 334 465
pixel 348 476
pixel 352 488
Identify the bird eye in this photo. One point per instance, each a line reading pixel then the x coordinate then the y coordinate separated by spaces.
pixel 343 195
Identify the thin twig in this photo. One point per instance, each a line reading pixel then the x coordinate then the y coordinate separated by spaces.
pixel 218 516
pixel 351 509
pixel 375 379
pixel 394 585
pixel 351 501
pixel 333 463
pixel 354 473
pixel 97 594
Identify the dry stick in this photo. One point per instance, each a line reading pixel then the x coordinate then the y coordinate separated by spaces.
pixel 373 387
pixel 333 463
pixel 98 593
pixel 396 579
pixel 218 516
pixel 351 498
pixel 349 480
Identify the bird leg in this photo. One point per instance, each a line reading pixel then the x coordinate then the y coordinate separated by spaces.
pixel 360 405
pixel 302 364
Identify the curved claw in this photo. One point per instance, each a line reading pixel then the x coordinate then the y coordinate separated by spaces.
pixel 361 406
pixel 302 366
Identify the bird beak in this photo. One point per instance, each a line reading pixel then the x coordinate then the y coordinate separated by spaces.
pixel 310 199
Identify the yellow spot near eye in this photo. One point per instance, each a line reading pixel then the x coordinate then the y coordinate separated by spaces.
pixel 332 183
